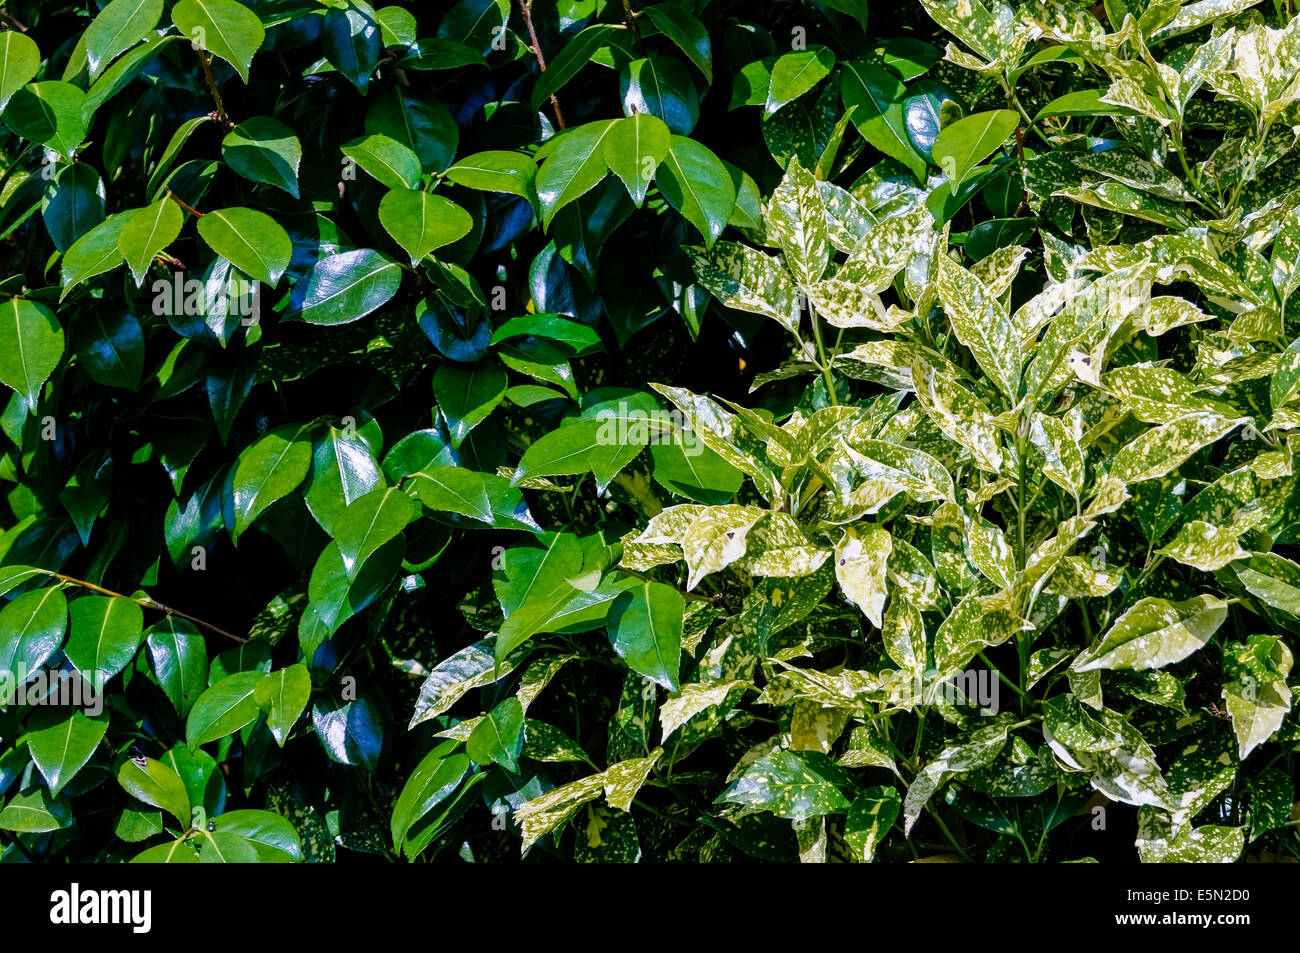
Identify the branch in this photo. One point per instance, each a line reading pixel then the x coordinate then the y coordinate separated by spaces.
pixel 630 15
pixel 147 602
pixel 12 21
pixel 526 8
pixel 181 202
pixel 212 85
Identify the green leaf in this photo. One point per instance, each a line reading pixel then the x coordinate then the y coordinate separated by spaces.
pixel 695 472
pixel 633 150
pixel 348 286
pixel 224 28
pixel 156 784
pixel 20 60
pixel 269 469
pixel 92 254
pixel 335 598
pixel 74 206
pixel 391 163
pixel 224 708
pixel 397 26
pixel 1083 102
pixel 144 232
pixel 31 346
pixel 420 123
pixel 963 144
pixel 118 27
pixel 496 171
pixel 104 633
pixel 1154 633
pixel 343 470
pixel 262 149
pixel 283 695
pixel 796 218
pixel 646 631
pixel 180 660
pixel 434 779
pixel 795 73
pixel 48 112
pixel 369 523
pixel 252 241
pixel 36 811
pixel 536 586
pixel 876 97
pixel 468 394
pixel 475 22
pixel 576 54
pixel 603 447
pixel 661 86
pixel 499 737
pixel 263 837
pixel 697 184
pixel 574 164
pixel 685 30
pixel 61 743
pixel 32 627
pixel 790 785
pixel 350 38
pixel 421 222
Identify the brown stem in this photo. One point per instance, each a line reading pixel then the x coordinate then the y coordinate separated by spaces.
pixel 630 15
pixel 181 202
pixel 212 86
pixel 12 21
pixel 526 8
pixel 148 602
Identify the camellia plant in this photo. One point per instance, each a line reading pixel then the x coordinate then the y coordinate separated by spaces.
pixel 696 430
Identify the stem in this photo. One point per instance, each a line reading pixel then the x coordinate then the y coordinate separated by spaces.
pixel 1014 102
pixel 1006 681
pixel 821 356
pixel 147 603
pixel 212 87
pixel 630 16
pixel 948 834
pixel 526 8
pixel 181 202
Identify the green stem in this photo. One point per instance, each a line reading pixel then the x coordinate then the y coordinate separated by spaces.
pixel 997 671
pixel 821 355
pixel 948 834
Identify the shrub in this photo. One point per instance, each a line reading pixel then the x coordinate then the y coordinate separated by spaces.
pixel 695 431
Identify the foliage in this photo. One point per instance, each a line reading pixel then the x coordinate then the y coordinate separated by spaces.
pixel 411 353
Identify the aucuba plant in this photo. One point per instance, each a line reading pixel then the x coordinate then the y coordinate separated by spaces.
pixel 692 430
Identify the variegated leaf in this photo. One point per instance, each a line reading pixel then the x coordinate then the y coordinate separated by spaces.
pixel 1162 449
pixel 796 218
pixel 861 557
pixel 1204 546
pixel 981 324
pixel 1154 633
